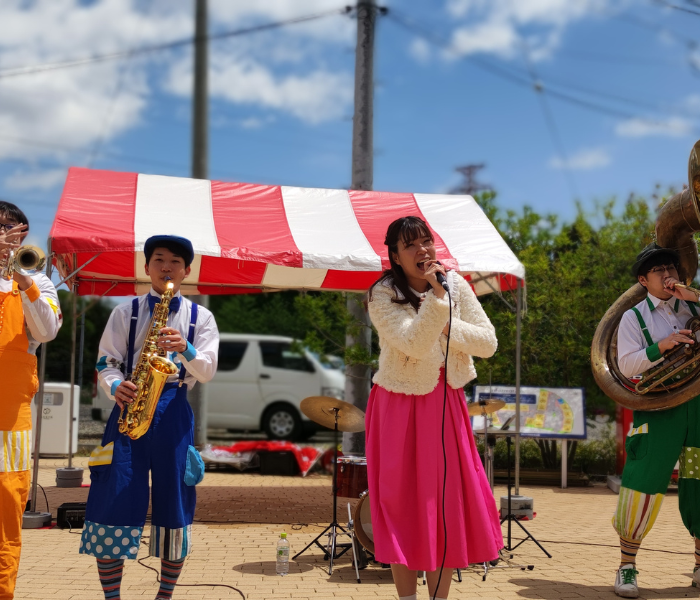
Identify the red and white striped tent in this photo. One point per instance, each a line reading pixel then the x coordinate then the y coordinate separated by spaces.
pixel 250 237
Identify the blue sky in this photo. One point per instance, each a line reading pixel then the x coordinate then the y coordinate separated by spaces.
pixel 453 87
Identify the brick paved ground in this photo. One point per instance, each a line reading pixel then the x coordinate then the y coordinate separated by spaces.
pixel 239 517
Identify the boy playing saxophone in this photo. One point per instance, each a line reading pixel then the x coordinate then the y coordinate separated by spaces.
pixel 119 467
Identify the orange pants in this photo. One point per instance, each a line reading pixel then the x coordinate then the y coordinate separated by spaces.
pixel 14 489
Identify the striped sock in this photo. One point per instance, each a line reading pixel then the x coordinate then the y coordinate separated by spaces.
pixel 628 550
pixel 169 572
pixel 110 572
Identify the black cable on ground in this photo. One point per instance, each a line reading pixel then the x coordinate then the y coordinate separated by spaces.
pixel 230 587
pixel 48 510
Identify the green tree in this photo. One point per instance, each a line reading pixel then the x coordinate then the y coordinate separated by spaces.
pixel 58 356
pixel 574 273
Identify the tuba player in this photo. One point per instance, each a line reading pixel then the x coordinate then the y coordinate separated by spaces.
pixel 658 438
pixel 29 315
pixel 119 467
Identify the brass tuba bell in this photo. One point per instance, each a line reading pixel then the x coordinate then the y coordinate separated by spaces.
pixel 678 220
pixel 28 260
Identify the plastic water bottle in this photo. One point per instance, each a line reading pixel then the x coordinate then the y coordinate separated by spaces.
pixel 282 555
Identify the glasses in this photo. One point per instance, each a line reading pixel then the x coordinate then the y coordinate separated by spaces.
pixel 5 227
pixel 662 268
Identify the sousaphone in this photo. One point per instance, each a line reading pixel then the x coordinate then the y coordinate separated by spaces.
pixel 679 380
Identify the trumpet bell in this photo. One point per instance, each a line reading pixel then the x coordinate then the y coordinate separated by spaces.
pixel 29 260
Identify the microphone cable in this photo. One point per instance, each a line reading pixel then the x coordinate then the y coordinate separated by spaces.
pixel 444 453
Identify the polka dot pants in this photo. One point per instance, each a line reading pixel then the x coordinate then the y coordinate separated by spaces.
pixel 110 541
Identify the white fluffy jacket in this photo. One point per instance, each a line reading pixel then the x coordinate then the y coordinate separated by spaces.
pixel 412 344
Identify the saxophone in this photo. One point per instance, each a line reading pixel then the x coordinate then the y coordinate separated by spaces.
pixel 150 374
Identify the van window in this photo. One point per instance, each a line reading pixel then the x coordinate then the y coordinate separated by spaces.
pixel 231 355
pixel 281 356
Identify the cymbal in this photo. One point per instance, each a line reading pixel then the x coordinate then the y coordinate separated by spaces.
pixel 484 407
pixel 322 410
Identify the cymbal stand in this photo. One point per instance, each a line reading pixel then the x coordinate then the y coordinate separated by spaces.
pixel 511 518
pixel 330 550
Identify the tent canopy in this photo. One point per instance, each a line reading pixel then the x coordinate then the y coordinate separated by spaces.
pixel 250 237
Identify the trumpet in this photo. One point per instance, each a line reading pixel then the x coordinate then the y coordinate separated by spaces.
pixel 28 260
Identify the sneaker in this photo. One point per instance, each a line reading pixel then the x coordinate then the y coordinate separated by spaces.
pixel 696 577
pixel 626 582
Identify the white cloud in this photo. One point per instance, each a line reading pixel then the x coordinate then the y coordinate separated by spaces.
pixel 672 127
pixel 420 50
pixel 35 180
pixel 583 160
pixel 504 27
pixel 313 97
pixel 255 122
pixel 74 107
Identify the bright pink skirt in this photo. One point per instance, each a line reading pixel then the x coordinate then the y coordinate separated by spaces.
pixel 405 470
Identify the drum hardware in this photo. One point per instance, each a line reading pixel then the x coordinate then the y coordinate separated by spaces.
pixel 341 416
pixel 359 558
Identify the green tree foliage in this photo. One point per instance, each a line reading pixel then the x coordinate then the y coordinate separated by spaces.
pixel 574 273
pixel 318 319
pixel 58 358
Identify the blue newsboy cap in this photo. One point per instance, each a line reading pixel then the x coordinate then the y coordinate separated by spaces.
pixel 176 244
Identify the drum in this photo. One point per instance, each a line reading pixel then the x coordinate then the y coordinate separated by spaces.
pixel 362 523
pixel 352 476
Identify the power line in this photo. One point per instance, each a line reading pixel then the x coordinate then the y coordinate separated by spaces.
pixel 676 7
pixel 627 60
pixel 551 123
pixel 113 101
pixel 516 77
pixel 32 69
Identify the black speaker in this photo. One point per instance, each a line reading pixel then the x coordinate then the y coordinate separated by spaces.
pixel 71 514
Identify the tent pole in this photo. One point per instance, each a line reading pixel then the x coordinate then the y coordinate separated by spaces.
pixel 73 337
pixel 518 324
pixel 39 399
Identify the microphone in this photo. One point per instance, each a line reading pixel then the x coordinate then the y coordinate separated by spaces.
pixel 441 279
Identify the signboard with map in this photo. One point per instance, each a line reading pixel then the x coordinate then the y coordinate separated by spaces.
pixel 544 412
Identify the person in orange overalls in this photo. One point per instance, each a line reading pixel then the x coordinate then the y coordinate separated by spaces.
pixel 29 315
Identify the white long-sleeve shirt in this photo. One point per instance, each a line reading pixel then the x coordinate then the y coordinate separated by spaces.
pixel 662 318
pixel 200 359
pixel 42 311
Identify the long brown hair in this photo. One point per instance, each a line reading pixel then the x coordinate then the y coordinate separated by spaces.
pixel 405 229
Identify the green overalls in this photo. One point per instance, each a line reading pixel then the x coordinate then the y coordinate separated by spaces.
pixel 658 439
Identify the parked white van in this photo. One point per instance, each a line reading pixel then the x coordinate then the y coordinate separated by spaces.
pixel 259 385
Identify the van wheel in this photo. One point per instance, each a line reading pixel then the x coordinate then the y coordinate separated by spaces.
pixel 282 422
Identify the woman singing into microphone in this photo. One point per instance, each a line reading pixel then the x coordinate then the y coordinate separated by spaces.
pixel 410 310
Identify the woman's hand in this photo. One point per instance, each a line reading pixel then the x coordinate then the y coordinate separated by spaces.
pixel 432 267
pixel 125 393
pixel 171 340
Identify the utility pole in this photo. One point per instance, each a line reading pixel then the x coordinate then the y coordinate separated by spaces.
pixel 200 170
pixel 357 382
